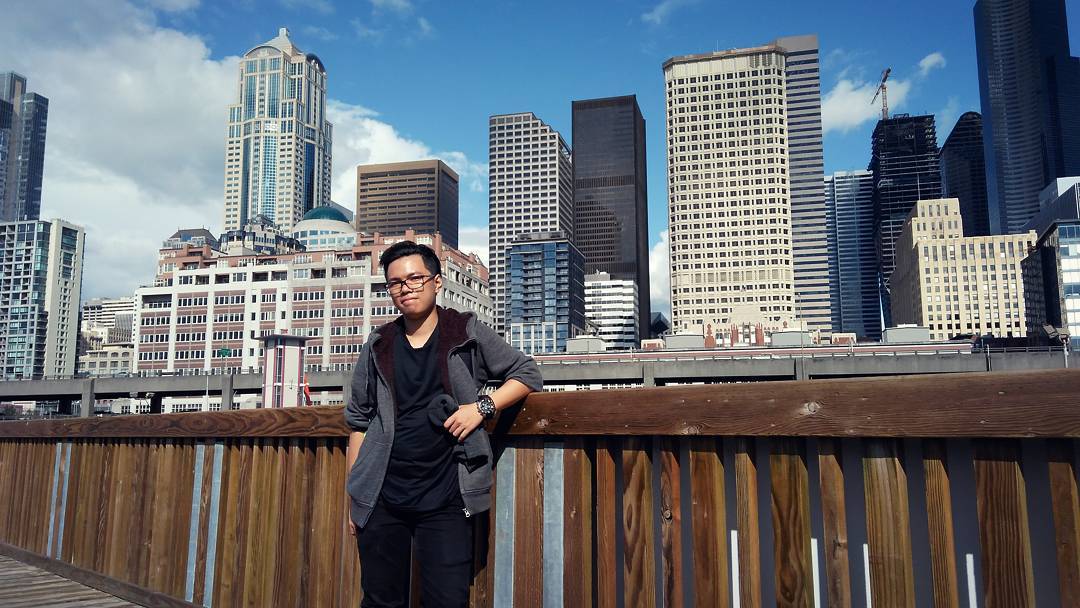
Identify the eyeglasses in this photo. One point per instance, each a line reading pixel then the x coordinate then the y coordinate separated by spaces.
pixel 413 283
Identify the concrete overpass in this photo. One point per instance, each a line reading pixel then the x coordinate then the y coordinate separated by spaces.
pixel 657 369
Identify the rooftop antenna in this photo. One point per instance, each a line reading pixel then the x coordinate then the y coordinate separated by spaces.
pixel 882 90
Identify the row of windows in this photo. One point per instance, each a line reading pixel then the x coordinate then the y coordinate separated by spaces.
pixel 228 335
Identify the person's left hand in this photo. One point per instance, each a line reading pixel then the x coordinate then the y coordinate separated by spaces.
pixel 464 421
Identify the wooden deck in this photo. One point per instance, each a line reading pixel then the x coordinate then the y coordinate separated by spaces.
pixel 23 585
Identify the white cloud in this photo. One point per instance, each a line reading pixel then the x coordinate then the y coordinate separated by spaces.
pixel 425 26
pixel 135 152
pixel 174 6
pixel 364 31
pixel 662 11
pixel 360 138
pixel 660 276
pixel 474 239
pixel 324 7
pixel 947 116
pixel 397 6
pixel 847 105
pixel 320 33
pixel 931 62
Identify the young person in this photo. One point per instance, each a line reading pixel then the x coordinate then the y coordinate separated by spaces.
pixel 418 476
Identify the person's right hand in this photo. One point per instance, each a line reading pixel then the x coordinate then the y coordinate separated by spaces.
pixel 350 526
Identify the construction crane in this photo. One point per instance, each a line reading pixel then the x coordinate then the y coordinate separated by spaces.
pixel 884 92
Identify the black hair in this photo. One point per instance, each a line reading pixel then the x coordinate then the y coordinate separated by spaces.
pixel 406 248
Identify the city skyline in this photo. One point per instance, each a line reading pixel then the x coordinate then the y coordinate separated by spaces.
pixel 926 78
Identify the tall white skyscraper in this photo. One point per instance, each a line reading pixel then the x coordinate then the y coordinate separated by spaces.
pixel 729 190
pixel 530 190
pixel 278 149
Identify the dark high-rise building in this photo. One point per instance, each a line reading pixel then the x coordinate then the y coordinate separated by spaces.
pixel 418 195
pixel 546 303
pixel 963 173
pixel 23 118
pixel 906 168
pixel 611 194
pixel 849 195
pixel 1030 91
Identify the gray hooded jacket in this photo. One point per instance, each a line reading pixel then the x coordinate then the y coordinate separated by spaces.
pixel 463 342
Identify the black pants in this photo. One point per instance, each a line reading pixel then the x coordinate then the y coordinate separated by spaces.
pixel 443 541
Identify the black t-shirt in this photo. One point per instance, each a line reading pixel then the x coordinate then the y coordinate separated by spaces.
pixel 422 475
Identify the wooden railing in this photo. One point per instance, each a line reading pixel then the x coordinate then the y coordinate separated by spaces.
pixel 952 490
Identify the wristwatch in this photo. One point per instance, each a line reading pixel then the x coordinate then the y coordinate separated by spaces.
pixel 486 406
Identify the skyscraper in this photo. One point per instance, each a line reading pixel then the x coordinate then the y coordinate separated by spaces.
pixel 855 301
pixel 611 210
pixel 23 118
pixel 730 192
pixel 531 190
pixel 39 298
pixel 418 195
pixel 278 149
pixel 904 161
pixel 963 173
pixel 546 298
pixel 1030 91
pixel 811 224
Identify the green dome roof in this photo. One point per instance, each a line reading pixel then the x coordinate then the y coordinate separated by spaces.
pixel 326 212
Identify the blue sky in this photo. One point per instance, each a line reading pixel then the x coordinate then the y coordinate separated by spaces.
pixel 417 77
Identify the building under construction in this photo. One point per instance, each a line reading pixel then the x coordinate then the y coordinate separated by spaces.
pixel 905 164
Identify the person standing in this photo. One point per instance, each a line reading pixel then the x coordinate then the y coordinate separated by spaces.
pixel 420 469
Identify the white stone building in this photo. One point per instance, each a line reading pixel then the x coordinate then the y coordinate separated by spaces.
pixel 611 307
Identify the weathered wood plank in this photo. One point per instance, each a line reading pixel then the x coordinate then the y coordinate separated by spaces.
pixel 1065 503
pixel 794 576
pixel 888 528
pixel 137 526
pixel 203 540
pixel 326 522
pixel 229 536
pixel 1003 525
pixel 294 485
pixel 606 522
pixel 637 519
pixel 120 589
pixel 529 523
pixel 940 525
pixel 834 518
pixel 709 523
pixel 578 537
pixel 747 523
pixel 671 549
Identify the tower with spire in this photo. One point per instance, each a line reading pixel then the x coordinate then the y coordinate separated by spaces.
pixel 278 146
